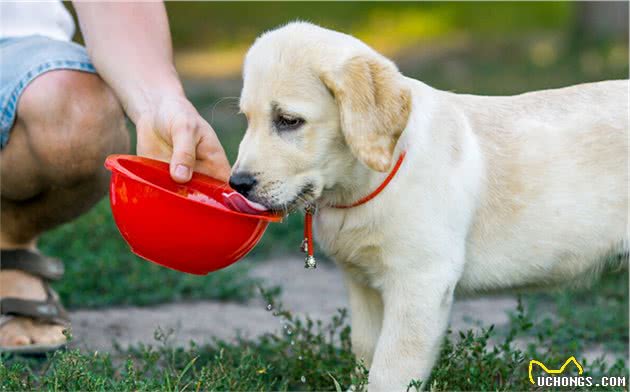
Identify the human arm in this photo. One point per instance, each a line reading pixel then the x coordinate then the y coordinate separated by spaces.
pixel 130 46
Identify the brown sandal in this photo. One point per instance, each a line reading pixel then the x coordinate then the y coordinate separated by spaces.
pixel 50 310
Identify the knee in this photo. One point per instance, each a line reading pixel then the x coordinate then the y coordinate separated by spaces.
pixel 73 122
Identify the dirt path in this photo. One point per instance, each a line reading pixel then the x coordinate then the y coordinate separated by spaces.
pixel 317 293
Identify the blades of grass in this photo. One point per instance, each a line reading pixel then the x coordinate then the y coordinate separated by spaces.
pixel 337 386
pixel 183 373
pixel 168 382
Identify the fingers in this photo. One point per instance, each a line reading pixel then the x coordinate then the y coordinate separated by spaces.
pixel 198 150
pixel 184 138
pixel 149 143
pixel 211 158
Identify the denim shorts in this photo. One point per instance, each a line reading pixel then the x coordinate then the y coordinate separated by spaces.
pixel 22 59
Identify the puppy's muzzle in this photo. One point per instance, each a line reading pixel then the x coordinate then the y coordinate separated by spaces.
pixel 243 183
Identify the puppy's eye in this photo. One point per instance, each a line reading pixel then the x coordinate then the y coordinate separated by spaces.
pixel 285 123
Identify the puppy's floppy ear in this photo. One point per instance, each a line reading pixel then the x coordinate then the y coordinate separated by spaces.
pixel 374 107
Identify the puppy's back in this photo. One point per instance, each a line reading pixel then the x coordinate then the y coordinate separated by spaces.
pixel 555 193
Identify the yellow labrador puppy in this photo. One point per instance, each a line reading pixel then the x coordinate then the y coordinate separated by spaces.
pixel 493 192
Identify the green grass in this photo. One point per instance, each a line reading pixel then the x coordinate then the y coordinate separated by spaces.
pixel 306 355
pixel 212 24
pixel 579 319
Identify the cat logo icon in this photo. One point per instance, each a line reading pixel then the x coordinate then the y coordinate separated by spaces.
pixel 554 371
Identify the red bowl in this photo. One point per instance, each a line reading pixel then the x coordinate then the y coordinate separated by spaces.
pixel 162 223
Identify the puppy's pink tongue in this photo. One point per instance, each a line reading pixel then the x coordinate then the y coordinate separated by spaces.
pixel 240 203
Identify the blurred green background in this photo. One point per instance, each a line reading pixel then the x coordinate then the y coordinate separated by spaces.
pixel 467 47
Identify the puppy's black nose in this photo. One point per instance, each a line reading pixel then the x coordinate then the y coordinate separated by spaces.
pixel 242 182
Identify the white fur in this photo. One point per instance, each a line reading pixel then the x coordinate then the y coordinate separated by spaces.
pixel 494 193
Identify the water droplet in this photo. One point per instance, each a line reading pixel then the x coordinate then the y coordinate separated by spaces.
pixel 292 342
pixel 300 358
pixel 269 307
pixel 303 379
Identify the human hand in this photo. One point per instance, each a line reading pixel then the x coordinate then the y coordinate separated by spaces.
pixel 172 130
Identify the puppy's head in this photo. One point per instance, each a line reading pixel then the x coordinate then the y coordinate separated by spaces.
pixel 316 101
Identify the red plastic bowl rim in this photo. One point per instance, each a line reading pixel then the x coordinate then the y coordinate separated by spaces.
pixel 112 163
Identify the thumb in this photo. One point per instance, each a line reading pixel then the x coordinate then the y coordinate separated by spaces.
pixel 183 159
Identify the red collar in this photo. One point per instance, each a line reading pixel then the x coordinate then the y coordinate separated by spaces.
pixel 309 211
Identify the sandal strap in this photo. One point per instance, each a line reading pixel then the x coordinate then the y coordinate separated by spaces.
pixel 32 262
pixel 49 310
pixel 5 319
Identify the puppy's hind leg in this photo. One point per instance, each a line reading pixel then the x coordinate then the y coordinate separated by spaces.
pixel 366 312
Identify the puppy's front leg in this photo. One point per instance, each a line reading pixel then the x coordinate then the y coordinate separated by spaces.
pixel 366 309
pixel 417 306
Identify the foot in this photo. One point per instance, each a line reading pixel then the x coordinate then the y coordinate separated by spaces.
pixel 23 331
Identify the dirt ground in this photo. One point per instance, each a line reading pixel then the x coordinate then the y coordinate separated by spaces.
pixel 317 293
